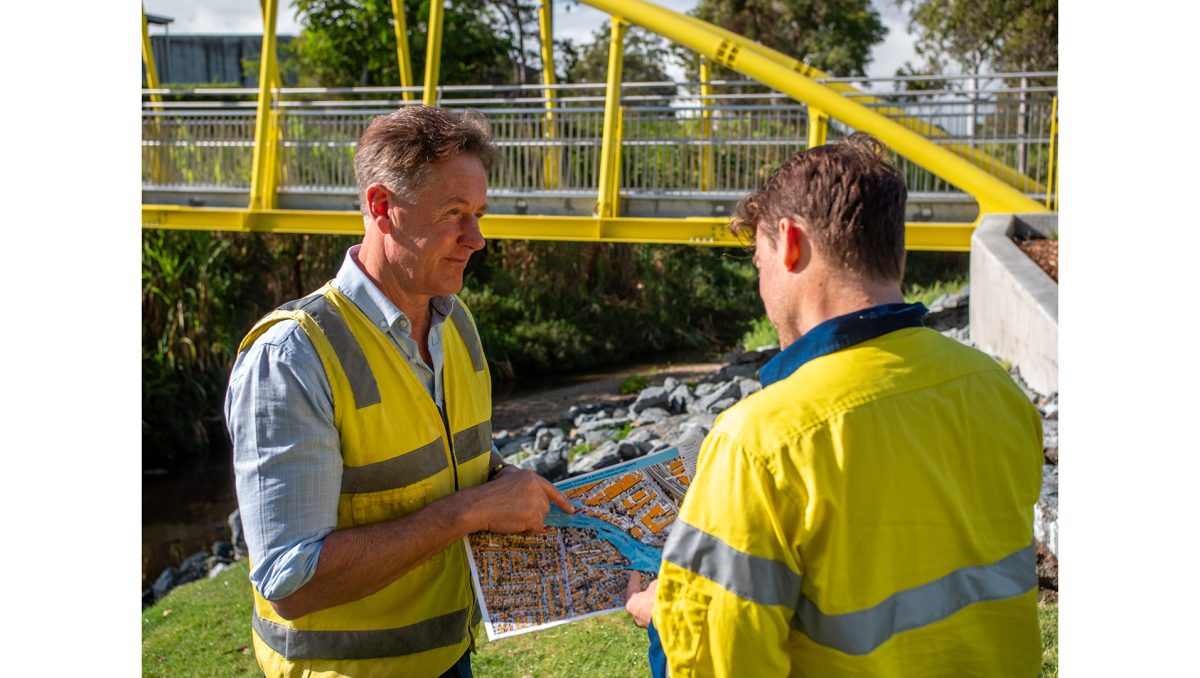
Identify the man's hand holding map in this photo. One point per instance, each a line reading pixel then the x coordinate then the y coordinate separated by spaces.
pixel 579 567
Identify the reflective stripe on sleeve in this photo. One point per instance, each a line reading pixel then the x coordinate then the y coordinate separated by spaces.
pixel 757 579
pixel 446 629
pixel 860 632
pixel 466 329
pixel 399 471
pixel 472 442
pixel 349 353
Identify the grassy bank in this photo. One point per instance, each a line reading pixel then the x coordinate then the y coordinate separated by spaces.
pixel 203 629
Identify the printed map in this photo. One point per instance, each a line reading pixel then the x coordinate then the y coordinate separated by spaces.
pixel 580 565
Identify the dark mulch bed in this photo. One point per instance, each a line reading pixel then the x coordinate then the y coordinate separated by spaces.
pixel 1044 253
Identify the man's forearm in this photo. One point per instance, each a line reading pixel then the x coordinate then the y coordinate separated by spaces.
pixel 359 561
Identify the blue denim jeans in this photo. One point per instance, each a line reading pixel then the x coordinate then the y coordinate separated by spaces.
pixel 461 669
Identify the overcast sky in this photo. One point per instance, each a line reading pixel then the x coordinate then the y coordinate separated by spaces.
pixel 577 23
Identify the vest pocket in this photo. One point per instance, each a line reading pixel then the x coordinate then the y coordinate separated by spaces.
pixel 374 507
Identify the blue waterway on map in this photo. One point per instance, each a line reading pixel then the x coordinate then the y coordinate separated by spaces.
pixel 641 557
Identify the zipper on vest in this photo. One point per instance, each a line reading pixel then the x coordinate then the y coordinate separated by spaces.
pixel 449 443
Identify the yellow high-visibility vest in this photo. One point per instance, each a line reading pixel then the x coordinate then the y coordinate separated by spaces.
pixel 398 455
pixel 871 514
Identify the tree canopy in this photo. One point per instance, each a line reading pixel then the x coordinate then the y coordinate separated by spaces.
pixel 345 43
pixel 975 35
pixel 645 58
pixel 835 36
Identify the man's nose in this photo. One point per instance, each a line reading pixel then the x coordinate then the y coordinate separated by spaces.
pixel 473 236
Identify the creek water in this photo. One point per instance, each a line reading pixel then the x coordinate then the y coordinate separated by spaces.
pixel 185 510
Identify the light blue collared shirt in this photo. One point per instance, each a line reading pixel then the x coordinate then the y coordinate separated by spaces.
pixel 287 457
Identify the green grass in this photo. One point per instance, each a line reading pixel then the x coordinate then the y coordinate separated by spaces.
pixel 203 629
pixel 633 383
pixel 623 433
pixel 761 333
pixel 1048 619
pixel 609 645
pixel 926 294
pixel 581 448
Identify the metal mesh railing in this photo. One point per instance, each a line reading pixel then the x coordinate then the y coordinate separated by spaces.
pixel 197 149
pixel 673 141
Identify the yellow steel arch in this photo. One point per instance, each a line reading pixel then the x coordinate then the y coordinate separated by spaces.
pixel 1007 174
pixel 992 194
pixel 767 66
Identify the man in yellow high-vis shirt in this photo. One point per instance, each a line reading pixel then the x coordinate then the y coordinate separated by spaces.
pixel 870 511
pixel 361 423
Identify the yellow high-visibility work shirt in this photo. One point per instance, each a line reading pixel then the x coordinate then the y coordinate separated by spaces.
pixel 868 513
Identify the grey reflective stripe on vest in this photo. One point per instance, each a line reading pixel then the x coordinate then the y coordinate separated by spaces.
pixel 768 582
pixel 447 629
pixel 349 353
pixel 466 329
pixel 472 442
pixel 399 471
pixel 757 579
pixel 859 633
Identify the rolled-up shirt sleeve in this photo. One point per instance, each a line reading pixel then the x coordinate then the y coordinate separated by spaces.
pixel 286 457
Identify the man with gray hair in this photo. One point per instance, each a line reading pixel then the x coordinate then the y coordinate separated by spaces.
pixel 361 425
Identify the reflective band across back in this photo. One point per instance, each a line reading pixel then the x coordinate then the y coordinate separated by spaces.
pixel 430 634
pixel 752 577
pixel 349 353
pixel 466 329
pixel 399 471
pixel 859 633
pixel 472 442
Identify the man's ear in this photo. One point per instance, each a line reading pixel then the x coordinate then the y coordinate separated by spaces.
pixel 378 201
pixel 792 238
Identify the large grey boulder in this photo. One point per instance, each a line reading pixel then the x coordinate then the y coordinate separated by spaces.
pixel 654 396
pixel 627 450
pixel 642 437
pixel 516 445
pixel 596 425
pixel 605 456
pixel 652 415
pixel 748 386
pixel 551 464
pixel 545 436
pixel 739 370
pixel 721 405
pixel 679 398
pixel 727 389
pixel 1045 513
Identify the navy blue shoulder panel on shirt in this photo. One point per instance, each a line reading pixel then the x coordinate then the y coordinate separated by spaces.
pixel 841 332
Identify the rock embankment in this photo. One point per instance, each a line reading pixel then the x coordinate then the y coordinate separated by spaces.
pixel 591 436
pixel 594 436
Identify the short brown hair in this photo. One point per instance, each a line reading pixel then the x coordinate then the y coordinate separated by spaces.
pixel 851 197
pixel 398 149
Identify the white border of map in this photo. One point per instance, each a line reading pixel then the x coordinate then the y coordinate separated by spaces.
pixel 636 464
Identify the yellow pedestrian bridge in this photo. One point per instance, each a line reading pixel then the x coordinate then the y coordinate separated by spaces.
pixel 613 161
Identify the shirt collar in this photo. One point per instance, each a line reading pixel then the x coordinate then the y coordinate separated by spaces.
pixel 374 304
pixel 841 332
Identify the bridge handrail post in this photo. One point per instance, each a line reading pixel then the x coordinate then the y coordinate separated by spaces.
pixel 152 83
pixel 1052 170
pixel 433 52
pixel 263 173
pixel 610 146
pixel 403 57
pixel 818 127
pixel 551 150
pixel 992 194
pixel 706 158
